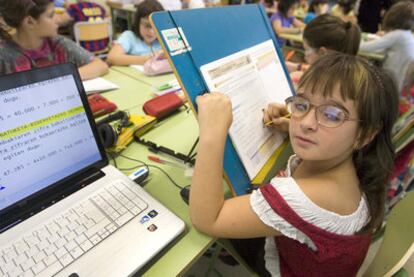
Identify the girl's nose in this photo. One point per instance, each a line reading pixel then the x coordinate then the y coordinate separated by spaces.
pixel 309 122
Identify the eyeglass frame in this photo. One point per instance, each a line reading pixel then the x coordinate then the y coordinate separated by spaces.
pixel 290 100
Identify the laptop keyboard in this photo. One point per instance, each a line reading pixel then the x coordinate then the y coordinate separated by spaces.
pixel 62 240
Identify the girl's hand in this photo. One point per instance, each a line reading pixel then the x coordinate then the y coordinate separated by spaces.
pixel 160 55
pixel 276 113
pixel 214 114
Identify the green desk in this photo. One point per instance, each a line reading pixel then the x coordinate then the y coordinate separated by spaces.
pixel 369 55
pixel 137 75
pixel 179 133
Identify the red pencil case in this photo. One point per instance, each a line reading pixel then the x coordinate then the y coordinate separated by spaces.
pixel 100 105
pixel 163 105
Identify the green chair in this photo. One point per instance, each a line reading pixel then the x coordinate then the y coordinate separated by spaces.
pixel 398 241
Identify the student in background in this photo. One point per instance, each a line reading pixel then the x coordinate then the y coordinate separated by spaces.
pixel 85 11
pixel 370 13
pixel 140 44
pixel 398 41
pixel 270 6
pixel 36 43
pixel 332 196
pixel 316 8
pixel 344 9
pixel 302 9
pixel 324 34
pixel 284 22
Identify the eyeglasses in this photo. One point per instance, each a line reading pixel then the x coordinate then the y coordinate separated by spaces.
pixel 330 116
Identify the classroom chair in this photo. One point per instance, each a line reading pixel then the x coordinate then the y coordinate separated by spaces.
pixel 94 31
pixel 226 245
pixel 398 241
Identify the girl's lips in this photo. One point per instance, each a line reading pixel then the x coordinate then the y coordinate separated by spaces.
pixel 304 140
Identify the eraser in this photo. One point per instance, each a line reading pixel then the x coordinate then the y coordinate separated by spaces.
pixel 139 175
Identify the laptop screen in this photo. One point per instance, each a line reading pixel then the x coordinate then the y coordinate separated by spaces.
pixel 45 136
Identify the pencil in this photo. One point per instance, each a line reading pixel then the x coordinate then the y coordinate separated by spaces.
pixel 161 161
pixel 271 122
pixel 289 55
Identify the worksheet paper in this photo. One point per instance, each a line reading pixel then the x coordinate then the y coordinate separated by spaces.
pixel 252 78
pixel 98 85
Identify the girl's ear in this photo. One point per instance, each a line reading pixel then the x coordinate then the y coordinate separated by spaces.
pixel 28 22
pixel 362 142
pixel 322 51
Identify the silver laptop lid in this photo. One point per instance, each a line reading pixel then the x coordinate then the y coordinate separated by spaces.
pixel 49 146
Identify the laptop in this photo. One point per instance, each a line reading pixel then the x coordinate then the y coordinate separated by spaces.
pixel 63 208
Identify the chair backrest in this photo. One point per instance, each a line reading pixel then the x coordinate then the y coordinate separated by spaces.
pixel 398 241
pixel 92 31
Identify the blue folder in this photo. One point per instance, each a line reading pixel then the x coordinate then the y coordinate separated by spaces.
pixel 206 35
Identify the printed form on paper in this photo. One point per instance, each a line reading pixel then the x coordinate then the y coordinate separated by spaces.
pixel 252 78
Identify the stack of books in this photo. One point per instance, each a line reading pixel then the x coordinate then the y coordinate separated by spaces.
pixel 402 178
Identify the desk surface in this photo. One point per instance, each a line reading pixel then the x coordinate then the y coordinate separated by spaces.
pixel 178 132
pixel 368 55
pixel 140 76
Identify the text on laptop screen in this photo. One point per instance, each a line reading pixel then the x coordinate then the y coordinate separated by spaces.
pixel 45 136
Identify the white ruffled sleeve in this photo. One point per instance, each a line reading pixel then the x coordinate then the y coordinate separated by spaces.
pixel 263 210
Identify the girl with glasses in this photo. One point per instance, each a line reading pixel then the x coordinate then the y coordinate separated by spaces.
pixel 138 45
pixel 36 43
pixel 317 220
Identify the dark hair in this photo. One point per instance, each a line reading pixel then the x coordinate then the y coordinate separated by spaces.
pixel 144 9
pixel 285 5
pixel 333 33
pixel 14 11
pixel 346 5
pixel 315 3
pixel 400 16
pixel 376 99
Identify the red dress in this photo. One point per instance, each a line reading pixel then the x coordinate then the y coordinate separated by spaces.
pixel 335 254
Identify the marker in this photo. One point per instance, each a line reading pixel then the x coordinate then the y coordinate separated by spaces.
pixel 164 87
pixel 161 161
pixel 271 122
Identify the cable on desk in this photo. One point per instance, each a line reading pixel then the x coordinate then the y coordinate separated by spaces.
pixel 112 156
pixel 148 165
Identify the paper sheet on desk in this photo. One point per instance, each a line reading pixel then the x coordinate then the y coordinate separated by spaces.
pixel 140 68
pixel 252 78
pixel 98 85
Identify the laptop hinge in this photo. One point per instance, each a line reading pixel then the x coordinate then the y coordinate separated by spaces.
pixel 55 195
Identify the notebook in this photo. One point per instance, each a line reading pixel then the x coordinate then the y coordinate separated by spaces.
pixel 63 208
pixel 98 85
